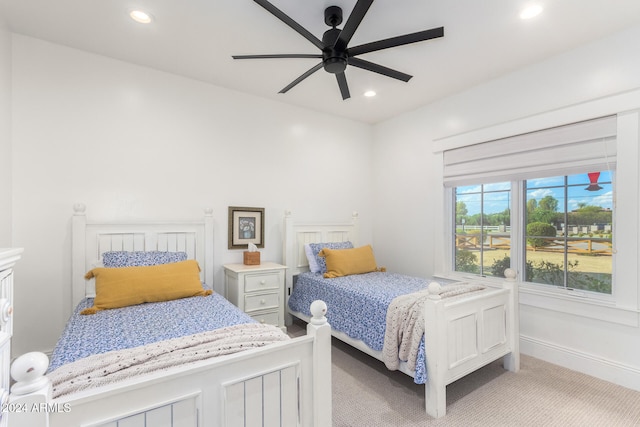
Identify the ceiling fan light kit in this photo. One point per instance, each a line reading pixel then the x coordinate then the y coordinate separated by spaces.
pixel 335 53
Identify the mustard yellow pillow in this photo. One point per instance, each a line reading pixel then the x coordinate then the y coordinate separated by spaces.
pixel 343 262
pixel 121 287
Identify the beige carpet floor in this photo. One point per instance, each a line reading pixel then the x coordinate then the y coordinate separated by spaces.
pixel 366 394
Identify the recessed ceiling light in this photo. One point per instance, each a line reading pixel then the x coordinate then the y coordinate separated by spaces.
pixel 140 16
pixel 370 93
pixel 531 11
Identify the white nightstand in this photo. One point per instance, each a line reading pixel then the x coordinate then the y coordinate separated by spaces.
pixel 258 290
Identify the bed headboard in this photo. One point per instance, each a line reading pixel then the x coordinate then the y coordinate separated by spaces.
pixel 89 240
pixel 297 234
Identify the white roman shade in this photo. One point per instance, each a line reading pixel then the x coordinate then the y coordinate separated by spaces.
pixel 588 146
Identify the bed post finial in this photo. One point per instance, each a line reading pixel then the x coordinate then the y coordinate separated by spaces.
pixel 318 310
pixel 79 209
pixel 435 289
pixel 28 371
pixel 510 274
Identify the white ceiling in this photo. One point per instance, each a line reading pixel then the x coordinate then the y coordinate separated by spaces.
pixel 196 38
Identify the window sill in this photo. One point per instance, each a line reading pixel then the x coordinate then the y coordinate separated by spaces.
pixel 578 304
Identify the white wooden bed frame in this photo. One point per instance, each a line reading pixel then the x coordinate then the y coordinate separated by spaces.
pixel 283 384
pixel 462 334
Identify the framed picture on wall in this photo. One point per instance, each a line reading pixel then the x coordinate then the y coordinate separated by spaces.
pixel 246 225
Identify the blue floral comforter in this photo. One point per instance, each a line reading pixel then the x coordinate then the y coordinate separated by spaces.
pixel 142 324
pixel 357 304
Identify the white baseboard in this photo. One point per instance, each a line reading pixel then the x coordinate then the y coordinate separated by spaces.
pixel 608 370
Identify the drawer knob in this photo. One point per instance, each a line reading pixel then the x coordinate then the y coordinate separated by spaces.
pixel 263 302
pixel 6 310
pixel 261 320
pixel 263 282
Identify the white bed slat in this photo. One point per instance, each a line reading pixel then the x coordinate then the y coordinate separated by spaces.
pixel 289 390
pixel 180 413
pixel 160 417
pixel 184 413
pixel 234 404
pixel 337 236
pixel 133 421
pixel 272 399
pixel 253 402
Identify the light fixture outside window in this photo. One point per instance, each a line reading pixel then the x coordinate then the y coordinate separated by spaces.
pixel 370 93
pixel 140 16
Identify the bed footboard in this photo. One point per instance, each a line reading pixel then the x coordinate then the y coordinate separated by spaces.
pixel 466 334
pixel 282 384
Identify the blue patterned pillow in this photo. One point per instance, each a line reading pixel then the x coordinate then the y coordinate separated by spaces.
pixel 141 258
pixel 317 247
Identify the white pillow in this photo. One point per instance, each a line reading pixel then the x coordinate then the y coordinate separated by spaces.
pixel 311 258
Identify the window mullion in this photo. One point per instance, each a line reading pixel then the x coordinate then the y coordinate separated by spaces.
pixel 518 209
pixel 566 240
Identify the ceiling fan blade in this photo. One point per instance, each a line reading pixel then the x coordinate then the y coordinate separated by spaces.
pixel 290 22
pixel 376 68
pixel 342 84
pixel 350 27
pixel 285 55
pixel 397 41
pixel 301 78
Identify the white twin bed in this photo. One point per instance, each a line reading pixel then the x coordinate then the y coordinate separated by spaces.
pixel 465 326
pixel 273 381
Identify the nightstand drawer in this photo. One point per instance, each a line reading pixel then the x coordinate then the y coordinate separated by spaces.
pixel 258 290
pixel 261 302
pixel 259 282
pixel 268 318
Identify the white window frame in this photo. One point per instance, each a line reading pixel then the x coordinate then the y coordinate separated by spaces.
pixel 622 306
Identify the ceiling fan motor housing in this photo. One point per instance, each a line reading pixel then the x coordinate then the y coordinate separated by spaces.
pixel 333 60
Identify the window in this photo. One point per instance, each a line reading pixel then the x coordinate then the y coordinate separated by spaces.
pixel 540 202
pixel 482 227
pixel 567 237
pixel 569 229
pixel 609 145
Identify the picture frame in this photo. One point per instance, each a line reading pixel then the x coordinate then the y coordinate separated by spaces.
pixel 246 225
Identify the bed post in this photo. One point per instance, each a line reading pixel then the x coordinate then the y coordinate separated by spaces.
pixel 321 331
pixel 288 258
pixel 208 249
pixel 355 232
pixel 435 352
pixel 29 402
pixel 78 242
pixel 512 360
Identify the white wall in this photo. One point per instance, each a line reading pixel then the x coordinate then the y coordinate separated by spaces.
pixel 409 197
pixel 135 143
pixel 5 136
